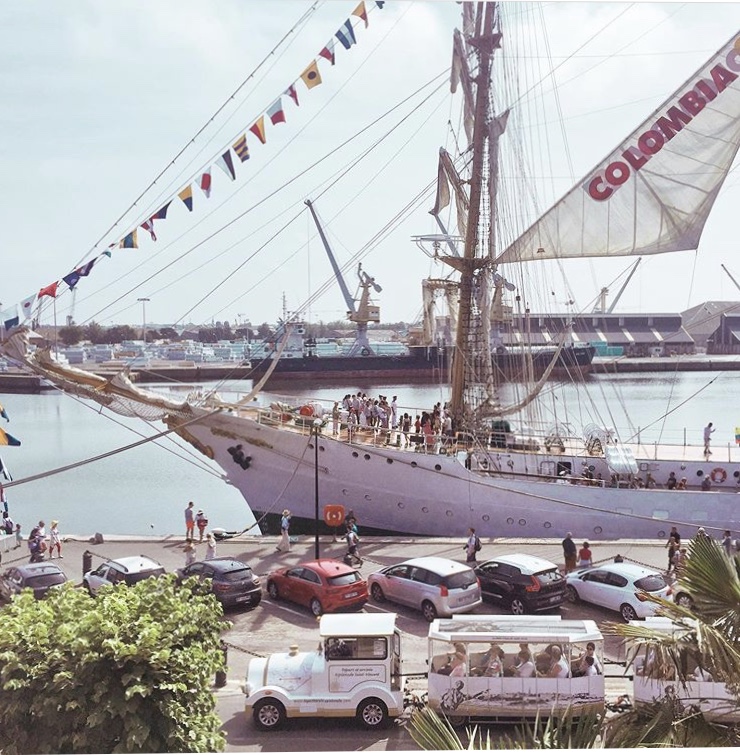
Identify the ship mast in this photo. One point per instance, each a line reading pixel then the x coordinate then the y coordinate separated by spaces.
pixel 485 41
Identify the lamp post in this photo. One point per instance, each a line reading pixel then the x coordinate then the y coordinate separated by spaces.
pixel 316 425
pixel 143 318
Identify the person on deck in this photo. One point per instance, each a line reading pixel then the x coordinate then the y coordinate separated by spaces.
pixel 708 430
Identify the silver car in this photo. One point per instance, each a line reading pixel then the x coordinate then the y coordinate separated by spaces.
pixel 436 586
pixel 128 570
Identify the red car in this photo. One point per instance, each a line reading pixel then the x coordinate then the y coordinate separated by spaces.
pixel 323 586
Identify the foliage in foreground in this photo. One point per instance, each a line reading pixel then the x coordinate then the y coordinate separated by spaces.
pixel 128 671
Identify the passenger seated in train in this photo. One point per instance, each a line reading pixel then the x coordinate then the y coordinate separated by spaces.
pixel 491 662
pixel 580 664
pixel 559 668
pixel 524 667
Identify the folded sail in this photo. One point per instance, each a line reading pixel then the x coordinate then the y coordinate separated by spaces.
pixel 654 192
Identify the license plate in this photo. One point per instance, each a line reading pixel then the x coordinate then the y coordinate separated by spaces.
pixel 242 598
pixel 351 594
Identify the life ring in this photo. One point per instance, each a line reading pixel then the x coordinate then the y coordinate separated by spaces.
pixel 306 410
pixel 718 475
pixel 333 514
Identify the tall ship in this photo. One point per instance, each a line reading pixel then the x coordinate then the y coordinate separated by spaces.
pixel 494 463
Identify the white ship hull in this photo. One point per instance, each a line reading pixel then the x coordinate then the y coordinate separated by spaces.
pixel 403 491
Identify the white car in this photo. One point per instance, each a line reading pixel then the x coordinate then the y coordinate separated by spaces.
pixel 618 587
pixel 129 570
pixel 436 586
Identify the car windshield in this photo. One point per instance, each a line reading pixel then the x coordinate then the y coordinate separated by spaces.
pixel 549 576
pixel 651 583
pixel 236 575
pixel 132 579
pixel 44 580
pixel 461 579
pixel 345 579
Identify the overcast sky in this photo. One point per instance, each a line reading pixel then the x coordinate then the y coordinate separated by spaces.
pixel 98 98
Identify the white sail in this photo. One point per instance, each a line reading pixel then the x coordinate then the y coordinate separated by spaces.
pixel 654 192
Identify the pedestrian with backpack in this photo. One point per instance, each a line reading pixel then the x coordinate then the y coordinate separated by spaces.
pixel 472 546
pixel 353 555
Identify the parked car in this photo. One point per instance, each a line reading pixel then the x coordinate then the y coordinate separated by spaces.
pixel 522 583
pixel 39 577
pixel 436 586
pixel 618 587
pixel 324 586
pixel 128 570
pixel 232 581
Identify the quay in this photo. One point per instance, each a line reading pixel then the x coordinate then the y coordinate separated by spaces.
pixel 15 381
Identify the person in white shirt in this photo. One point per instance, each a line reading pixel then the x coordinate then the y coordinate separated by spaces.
pixel 525 668
pixel 459 666
pixel 589 666
pixel 559 668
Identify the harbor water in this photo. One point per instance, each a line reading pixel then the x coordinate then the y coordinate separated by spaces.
pixel 144 490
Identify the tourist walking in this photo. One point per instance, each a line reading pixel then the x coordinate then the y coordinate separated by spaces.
pixel 210 546
pixel 190 551
pixel 352 556
pixel 585 557
pixel 569 552
pixel 201 523
pixel 55 540
pixel 708 430
pixel 189 521
pixel 727 543
pixel 472 546
pixel 18 536
pixel 284 532
pixel 8 526
pixel 672 546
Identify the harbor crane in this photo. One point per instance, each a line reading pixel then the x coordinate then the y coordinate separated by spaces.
pixel 361 314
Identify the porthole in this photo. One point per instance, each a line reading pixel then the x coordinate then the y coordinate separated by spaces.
pixel 367 497
pixel 736 474
pixel 547 525
pixel 597 530
pixel 522 522
pixel 661 533
pixel 344 491
pixel 699 472
pixel 390 461
pixel 310 445
pixel 321 448
pixel 401 504
pixel 591 468
pixel 414 464
pixel 367 457
pixel 509 521
pixel 449 513
pixel 486 518
pixel 355 454
pixel 425 509
pixel 438 467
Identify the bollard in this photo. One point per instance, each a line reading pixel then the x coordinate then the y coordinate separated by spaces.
pixel 86 562
pixel 221 673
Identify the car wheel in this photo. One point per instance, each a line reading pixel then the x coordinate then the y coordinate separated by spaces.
pixel 315 606
pixel 372 713
pixel 457 721
pixel 269 715
pixel 571 594
pixel 429 612
pixel 272 590
pixel 517 607
pixel 684 600
pixel 376 591
pixel 628 613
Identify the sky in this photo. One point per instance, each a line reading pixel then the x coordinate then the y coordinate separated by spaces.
pixel 99 99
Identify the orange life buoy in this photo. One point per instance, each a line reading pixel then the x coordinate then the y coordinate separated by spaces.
pixel 718 475
pixel 306 410
pixel 333 514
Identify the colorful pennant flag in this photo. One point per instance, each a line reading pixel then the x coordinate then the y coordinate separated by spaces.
pixel 50 290
pixel 161 213
pixel 275 112
pixel 130 241
pixel 27 306
pixel 4 414
pixel 84 270
pixel 227 164
pixel 380 3
pixel 311 76
pixel 9 317
pixel 205 183
pixel 107 254
pixel 148 225
pixel 327 52
pixel 187 197
pixel 241 148
pixel 72 279
pixel 8 440
pixel 346 35
pixel 361 12
pixel 258 128
pixel 292 92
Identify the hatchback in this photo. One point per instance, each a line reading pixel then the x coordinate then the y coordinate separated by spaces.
pixel 232 581
pixel 128 570
pixel 522 583
pixel 324 586
pixel 437 586
pixel 618 587
pixel 40 578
